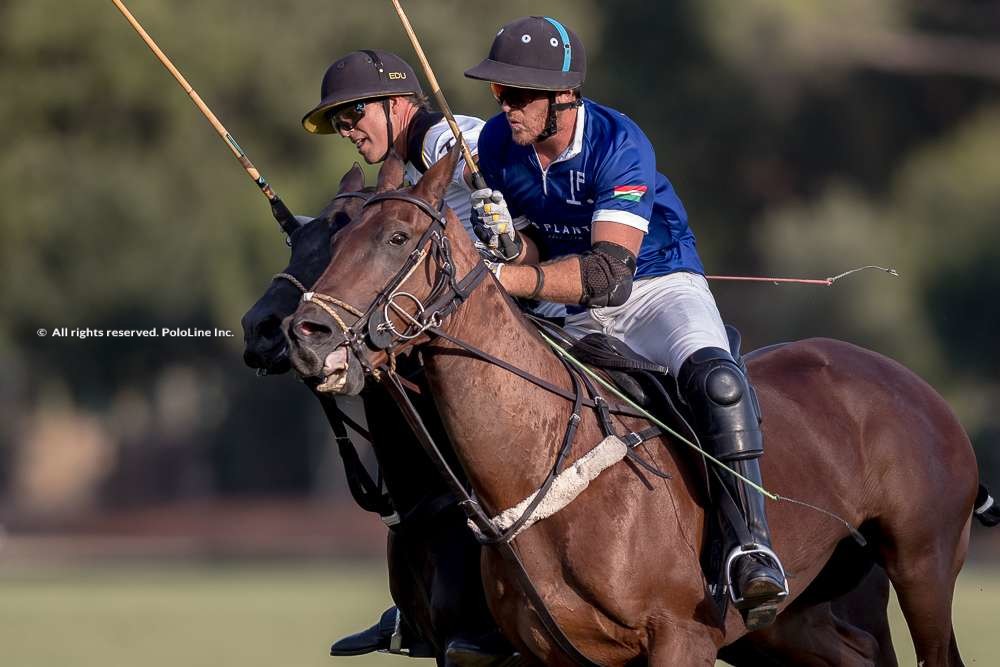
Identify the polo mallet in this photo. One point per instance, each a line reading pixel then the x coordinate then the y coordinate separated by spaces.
pixel 805 281
pixel 281 213
pixel 478 181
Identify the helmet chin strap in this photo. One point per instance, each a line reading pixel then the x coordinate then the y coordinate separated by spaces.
pixel 550 120
pixel 388 130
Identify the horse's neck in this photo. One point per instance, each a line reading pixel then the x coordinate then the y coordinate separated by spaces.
pixel 505 430
pixel 409 476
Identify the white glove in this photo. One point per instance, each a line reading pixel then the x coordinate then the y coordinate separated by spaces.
pixel 493 225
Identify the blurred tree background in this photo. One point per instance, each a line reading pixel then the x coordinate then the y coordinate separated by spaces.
pixel 805 137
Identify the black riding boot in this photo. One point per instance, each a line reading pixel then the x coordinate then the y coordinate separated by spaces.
pixel 726 418
pixel 391 634
pixel 757 580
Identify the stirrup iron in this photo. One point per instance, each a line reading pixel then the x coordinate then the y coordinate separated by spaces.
pixel 741 552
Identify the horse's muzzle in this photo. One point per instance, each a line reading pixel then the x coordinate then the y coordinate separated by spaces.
pixel 264 344
pixel 264 351
pixel 317 351
pixel 269 361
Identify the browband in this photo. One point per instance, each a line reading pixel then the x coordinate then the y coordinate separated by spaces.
pixel 420 203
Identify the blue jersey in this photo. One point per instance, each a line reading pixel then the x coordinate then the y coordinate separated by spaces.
pixel 607 173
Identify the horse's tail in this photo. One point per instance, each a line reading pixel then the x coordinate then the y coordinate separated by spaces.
pixel 986 510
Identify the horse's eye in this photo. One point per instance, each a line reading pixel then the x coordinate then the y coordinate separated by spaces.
pixel 399 238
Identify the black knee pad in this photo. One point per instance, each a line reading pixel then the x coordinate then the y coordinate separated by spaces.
pixel 724 385
pixel 722 404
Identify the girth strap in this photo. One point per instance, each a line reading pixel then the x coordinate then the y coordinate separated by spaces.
pixel 632 440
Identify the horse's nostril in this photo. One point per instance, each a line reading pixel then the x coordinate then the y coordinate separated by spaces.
pixel 307 328
pixel 251 359
pixel 269 328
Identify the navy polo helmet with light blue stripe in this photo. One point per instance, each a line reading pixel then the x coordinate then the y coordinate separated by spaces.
pixel 535 52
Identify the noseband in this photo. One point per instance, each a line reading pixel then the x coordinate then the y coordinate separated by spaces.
pixel 375 325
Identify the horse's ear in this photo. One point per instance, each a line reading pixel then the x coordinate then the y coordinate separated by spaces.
pixel 353 180
pixel 390 176
pixel 433 184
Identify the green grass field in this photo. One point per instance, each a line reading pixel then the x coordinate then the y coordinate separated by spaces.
pixel 274 615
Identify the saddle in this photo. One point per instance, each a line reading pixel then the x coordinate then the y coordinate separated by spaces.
pixel 645 382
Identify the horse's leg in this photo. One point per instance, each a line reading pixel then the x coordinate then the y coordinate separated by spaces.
pixel 679 645
pixel 813 637
pixel 923 565
pixel 814 630
pixel 866 607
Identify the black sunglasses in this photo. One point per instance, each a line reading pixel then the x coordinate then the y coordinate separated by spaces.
pixel 515 98
pixel 344 119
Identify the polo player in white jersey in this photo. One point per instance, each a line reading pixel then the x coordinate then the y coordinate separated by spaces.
pixel 374 99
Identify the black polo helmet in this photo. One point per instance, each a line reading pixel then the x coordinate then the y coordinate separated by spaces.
pixel 360 75
pixel 535 52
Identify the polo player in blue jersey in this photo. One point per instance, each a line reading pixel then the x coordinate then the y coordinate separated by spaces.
pixel 590 222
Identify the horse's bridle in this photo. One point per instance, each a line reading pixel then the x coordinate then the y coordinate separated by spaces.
pixel 375 325
pixel 284 275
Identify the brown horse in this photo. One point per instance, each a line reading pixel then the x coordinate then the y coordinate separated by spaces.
pixel 434 573
pixel 848 430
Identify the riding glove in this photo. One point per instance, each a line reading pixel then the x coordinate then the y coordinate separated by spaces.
pixel 492 223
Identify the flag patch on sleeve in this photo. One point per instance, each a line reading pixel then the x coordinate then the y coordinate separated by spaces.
pixel 629 192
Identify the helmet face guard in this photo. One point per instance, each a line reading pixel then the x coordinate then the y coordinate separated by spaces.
pixel 535 52
pixel 360 76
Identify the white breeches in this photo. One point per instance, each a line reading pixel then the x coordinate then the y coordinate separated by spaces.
pixel 666 319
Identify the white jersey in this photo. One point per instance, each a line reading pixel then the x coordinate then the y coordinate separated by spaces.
pixel 437 142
